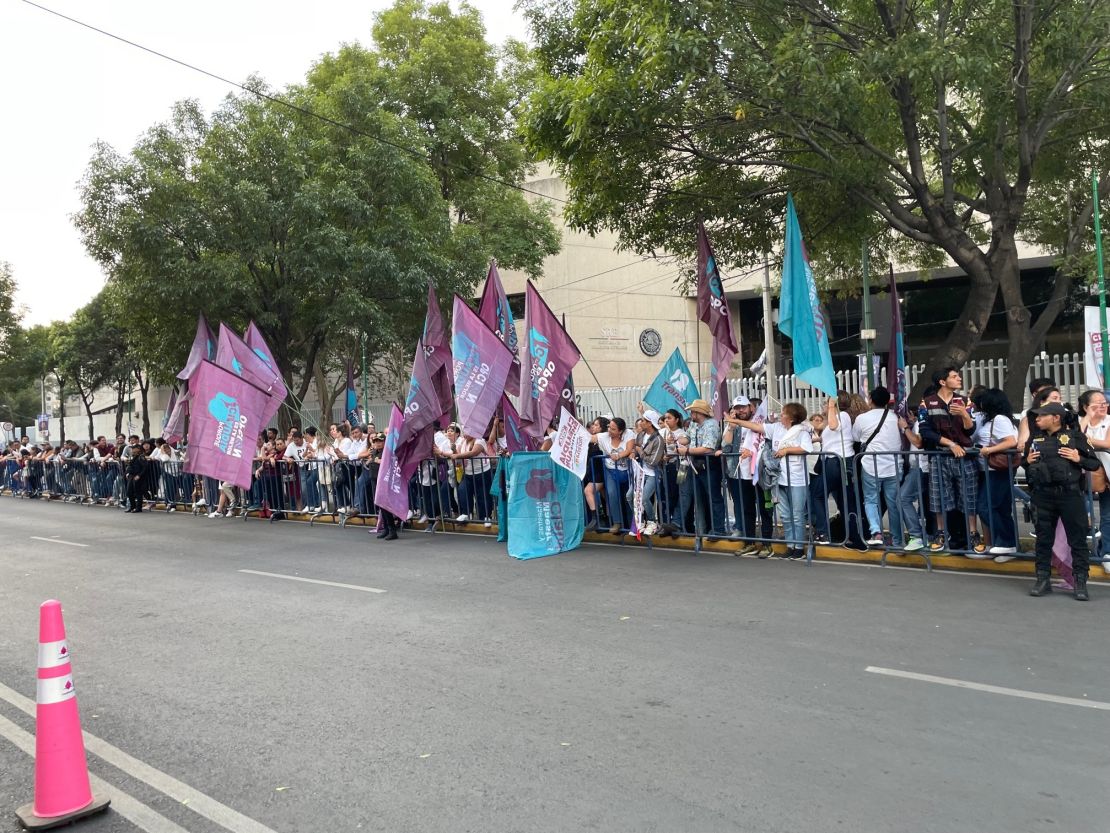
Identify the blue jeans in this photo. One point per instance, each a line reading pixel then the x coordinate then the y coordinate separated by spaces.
pixel 910 504
pixel 616 484
pixel 888 486
pixel 793 505
pixel 1102 545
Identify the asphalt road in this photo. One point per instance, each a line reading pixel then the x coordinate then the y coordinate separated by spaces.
pixel 607 689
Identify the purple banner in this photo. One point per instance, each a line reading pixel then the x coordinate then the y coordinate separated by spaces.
pixel 399 463
pixel 224 420
pixel 481 365
pixel 495 311
pixel 258 346
pixel 550 356
pixel 204 347
pixel 235 355
pixel 437 348
pixel 422 406
pixel 515 438
pixel 713 310
pixel 177 409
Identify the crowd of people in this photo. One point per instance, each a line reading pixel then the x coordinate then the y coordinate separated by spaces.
pixel 939 476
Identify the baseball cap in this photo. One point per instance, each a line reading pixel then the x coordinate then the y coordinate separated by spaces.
pixel 1051 409
pixel 652 416
pixel 740 401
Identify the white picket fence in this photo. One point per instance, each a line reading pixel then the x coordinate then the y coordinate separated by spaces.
pixel 1067 370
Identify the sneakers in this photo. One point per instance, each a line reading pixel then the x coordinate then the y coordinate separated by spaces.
pixel 615 529
pixel 1003 554
pixel 764 551
pixel 1002 559
pixel 649 528
pixel 876 540
pixel 213 514
pixel 937 544
pixel 462 519
pixel 487 523
pixel 914 544
pixel 423 519
pixel 977 545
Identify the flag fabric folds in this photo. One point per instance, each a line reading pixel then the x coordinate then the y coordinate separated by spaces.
pixel 800 315
pixel 482 362
pixel 173 429
pixel 232 353
pixel 437 349
pixel 550 356
pixel 714 312
pixel 896 358
pixel 422 406
pixel 204 347
pixel 674 387
pixel 400 460
pixel 515 438
pixel 350 398
pixel 495 311
pixel 227 415
pixel 546 514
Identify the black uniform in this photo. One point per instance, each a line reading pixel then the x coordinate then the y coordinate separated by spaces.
pixel 136 474
pixel 1058 486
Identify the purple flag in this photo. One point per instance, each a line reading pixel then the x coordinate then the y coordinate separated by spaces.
pixel 227 414
pixel 481 364
pixel 173 429
pixel 713 310
pixel 494 310
pixel 399 463
pixel 567 398
pixel 515 438
pixel 204 347
pixel 258 346
pixel 437 348
pixel 550 356
pixel 235 355
pixel 422 405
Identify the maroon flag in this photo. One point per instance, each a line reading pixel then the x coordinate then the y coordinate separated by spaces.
pixel 173 428
pixel 204 347
pixel 550 356
pixel 422 405
pixel 399 463
pixel 481 363
pixel 437 348
pixel 515 438
pixel 495 311
pixel 713 310
pixel 566 396
pixel 258 346
pixel 235 355
pixel 227 414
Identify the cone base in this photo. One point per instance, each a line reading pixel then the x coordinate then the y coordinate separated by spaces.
pixel 30 821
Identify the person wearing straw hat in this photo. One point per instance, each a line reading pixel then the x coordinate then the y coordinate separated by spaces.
pixel 705 439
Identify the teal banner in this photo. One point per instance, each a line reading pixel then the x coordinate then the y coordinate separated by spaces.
pixel 546 513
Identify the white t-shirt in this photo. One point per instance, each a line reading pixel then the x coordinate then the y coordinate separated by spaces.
pixel 998 429
pixel 352 448
pixel 795 467
pixel 838 442
pixel 606 444
pixel 1098 432
pixel 889 439
pixel 472 465
pixel 294 452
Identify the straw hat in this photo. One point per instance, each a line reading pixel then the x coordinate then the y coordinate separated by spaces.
pixel 700 406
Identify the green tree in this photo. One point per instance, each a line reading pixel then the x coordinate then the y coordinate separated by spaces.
pixel 23 364
pixel 87 351
pixel 926 127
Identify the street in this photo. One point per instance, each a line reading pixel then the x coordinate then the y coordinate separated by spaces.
pixel 606 689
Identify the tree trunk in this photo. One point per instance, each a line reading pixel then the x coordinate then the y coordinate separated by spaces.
pixel 144 394
pixel 964 336
pixel 323 396
pixel 61 409
pixel 119 406
pixel 88 413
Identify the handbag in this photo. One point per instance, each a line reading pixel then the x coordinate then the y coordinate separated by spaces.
pixel 1004 461
pixel 1099 481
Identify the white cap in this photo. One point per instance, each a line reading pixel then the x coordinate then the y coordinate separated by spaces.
pixel 652 416
pixel 741 400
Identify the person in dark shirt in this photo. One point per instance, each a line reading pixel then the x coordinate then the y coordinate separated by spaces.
pixel 136 474
pixel 1055 460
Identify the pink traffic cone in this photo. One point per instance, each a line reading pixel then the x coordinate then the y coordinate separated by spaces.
pixel 62 789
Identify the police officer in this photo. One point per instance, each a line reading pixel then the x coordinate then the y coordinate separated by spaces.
pixel 1055 458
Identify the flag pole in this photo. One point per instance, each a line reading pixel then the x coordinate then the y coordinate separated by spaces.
pixel 1101 281
pixel 365 393
pixel 867 334
pixel 769 334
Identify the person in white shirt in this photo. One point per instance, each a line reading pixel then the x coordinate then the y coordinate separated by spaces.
pixel 833 471
pixel 996 435
pixel 881 444
pixel 477 479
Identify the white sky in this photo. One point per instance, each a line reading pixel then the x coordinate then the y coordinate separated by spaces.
pixel 65 87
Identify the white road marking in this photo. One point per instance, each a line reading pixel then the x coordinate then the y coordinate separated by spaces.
pixel 123 804
pixel 991 689
pixel 57 541
pixel 181 792
pixel 315 581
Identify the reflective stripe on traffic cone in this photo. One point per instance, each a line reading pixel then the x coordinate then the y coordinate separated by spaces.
pixel 62 789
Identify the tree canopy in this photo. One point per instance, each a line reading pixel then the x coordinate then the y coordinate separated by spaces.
pixel 928 128
pixel 324 210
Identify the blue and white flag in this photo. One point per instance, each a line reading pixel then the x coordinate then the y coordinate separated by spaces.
pixel 800 314
pixel 674 387
pixel 546 514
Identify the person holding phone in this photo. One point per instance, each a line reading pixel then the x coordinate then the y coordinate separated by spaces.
pixel 1055 461
pixel 954 480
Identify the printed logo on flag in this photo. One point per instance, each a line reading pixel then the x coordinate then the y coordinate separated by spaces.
pixel 505 329
pixel 264 358
pixel 471 373
pixel 229 434
pixel 542 367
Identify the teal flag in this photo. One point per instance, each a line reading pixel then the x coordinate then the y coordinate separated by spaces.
pixel 674 387
pixel 800 314
pixel 546 514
